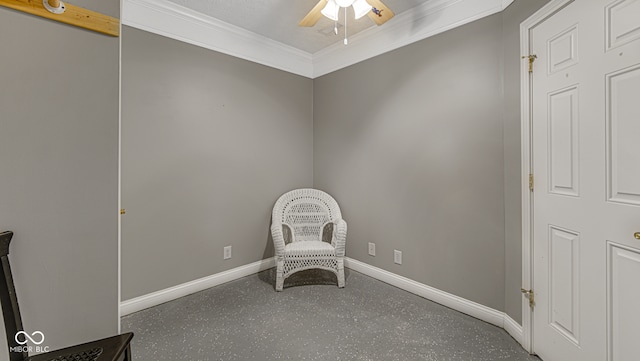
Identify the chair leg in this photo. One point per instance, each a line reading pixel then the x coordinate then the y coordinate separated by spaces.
pixel 279 275
pixel 127 353
pixel 341 272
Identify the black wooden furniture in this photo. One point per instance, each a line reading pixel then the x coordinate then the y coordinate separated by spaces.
pixel 116 348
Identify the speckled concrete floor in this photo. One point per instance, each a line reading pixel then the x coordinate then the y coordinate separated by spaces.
pixel 312 319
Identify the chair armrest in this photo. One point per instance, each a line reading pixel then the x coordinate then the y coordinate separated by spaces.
pixel 278 239
pixel 339 236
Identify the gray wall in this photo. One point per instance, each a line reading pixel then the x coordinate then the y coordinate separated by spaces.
pixel 59 173
pixel 209 142
pixel 411 169
pixel 410 144
pixel 421 146
pixel 512 16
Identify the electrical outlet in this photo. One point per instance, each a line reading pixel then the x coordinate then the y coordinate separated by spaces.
pixel 227 252
pixel 397 256
pixel 372 249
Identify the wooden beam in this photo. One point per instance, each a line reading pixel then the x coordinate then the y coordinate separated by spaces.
pixel 314 15
pixel 385 12
pixel 73 15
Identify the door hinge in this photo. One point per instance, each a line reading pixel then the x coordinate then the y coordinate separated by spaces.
pixel 531 182
pixel 123 211
pixel 531 58
pixel 530 295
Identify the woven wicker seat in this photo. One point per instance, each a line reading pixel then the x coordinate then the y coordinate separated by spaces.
pixel 301 220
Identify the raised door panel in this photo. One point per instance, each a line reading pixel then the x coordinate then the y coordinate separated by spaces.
pixel 563 50
pixel 563 142
pixel 623 132
pixel 622 25
pixel 622 303
pixel 564 300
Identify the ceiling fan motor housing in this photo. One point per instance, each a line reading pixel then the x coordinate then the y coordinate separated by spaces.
pixel 344 3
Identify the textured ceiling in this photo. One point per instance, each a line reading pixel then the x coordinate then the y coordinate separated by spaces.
pixel 278 19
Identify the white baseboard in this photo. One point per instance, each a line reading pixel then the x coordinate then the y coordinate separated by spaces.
pixel 514 329
pixel 168 294
pixel 457 303
pixel 463 305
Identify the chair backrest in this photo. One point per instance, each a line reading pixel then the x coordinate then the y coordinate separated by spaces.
pixel 306 212
pixel 9 300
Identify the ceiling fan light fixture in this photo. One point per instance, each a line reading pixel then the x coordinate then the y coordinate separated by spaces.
pixel 361 8
pixel 344 3
pixel 331 10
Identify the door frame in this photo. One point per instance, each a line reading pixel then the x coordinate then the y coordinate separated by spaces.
pixel 526 27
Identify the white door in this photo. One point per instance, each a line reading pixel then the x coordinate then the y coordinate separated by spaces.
pixel 586 165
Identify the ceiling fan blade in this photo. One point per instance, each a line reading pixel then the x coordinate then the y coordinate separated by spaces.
pixel 314 15
pixel 384 13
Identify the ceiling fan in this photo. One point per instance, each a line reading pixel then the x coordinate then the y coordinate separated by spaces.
pixel 375 9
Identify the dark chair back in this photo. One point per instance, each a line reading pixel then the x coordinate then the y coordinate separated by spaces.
pixel 9 300
pixel 114 348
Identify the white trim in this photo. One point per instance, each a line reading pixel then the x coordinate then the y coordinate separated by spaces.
pixel 513 328
pixel 177 22
pixel 525 160
pixel 506 3
pixel 119 169
pixel 169 294
pixel 457 303
pixel 425 20
pixel 430 18
pixel 527 165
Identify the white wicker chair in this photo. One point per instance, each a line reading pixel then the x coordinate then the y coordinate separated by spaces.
pixel 302 215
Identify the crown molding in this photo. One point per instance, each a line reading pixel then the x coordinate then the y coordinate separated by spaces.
pixel 425 20
pixel 430 18
pixel 177 22
pixel 506 3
